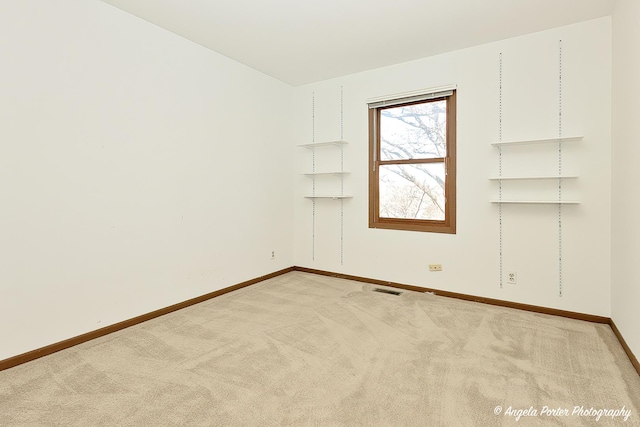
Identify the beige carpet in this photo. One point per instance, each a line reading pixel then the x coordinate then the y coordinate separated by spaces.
pixel 303 349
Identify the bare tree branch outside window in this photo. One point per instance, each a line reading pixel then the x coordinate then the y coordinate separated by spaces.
pixel 410 132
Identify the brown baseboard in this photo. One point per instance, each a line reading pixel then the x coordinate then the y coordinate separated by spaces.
pixel 502 303
pixel 44 351
pixel 623 343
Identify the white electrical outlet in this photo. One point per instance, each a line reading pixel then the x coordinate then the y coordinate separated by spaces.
pixel 273 254
pixel 435 267
pixel 512 277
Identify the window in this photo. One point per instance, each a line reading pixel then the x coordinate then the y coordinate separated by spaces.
pixel 412 155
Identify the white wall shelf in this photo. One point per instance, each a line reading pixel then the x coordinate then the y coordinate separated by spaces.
pixel 320 176
pixel 526 179
pixel 334 197
pixel 337 173
pixel 538 141
pixel 508 178
pixel 323 144
pixel 538 202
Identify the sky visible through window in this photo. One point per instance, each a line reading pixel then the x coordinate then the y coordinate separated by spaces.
pixel 414 190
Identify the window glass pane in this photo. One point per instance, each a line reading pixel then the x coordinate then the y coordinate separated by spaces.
pixel 412 191
pixel 416 131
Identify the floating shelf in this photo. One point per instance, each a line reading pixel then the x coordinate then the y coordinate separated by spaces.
pixel 507 178
pixel 336 197
pixel 325 173
pixel 538 202
pixel 322 144
pixel 539 141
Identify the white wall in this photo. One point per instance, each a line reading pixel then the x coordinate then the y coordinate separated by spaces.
pixel 137 170
pixel 626 174
pixel 470 258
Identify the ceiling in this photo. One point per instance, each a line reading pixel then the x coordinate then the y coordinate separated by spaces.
pixel 304 41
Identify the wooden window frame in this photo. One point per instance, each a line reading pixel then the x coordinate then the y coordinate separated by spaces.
pixel 448 225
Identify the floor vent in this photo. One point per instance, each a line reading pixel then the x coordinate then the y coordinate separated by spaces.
pixel 387 291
